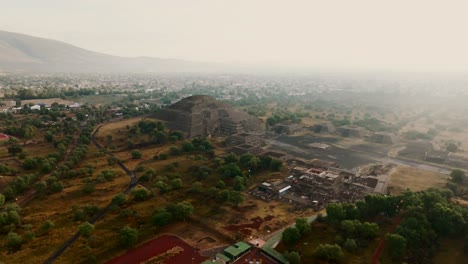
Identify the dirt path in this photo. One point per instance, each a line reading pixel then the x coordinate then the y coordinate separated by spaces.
pixel 379 250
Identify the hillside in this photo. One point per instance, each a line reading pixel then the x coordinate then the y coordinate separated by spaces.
pixel 23 53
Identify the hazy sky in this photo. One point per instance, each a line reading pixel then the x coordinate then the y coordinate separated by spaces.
pixel 356 34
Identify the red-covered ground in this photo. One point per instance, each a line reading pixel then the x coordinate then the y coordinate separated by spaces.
pixel 4 137
pixel 246 229
pixel 158 247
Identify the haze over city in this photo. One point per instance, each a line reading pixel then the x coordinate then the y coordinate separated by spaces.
pixel 345 35
pixel 233 132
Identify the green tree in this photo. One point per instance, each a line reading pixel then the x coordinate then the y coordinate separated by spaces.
pixel 119 199
pixel 140 194
pixel 86 229
pixel 136 154
pixel 291 235
pixel 46 226
pixel 293 257
pixel 176 183
pixel 451 147
pixel 230 170
pixel 265 162
pixel 174 151
pixel 235 198
pixel 15 149
pixel 14 241
pixel 303 226
pixel 182 210
pixel 335 213
pixel 239 183
pixel 328 252
pixel 368 230
pixel 128 237
pixel 245 158
pixel 350 245
pixel 187 146
pixel 457 175
pixel 221 184
pixel 13 217
pixel 396 245
pixel 2 200
pixel 276 164
pixel 230 158
pixel 161 217
pixel 49 136
pixel 162 186
pixel 29 132
pixel 56 186
pixel 349 227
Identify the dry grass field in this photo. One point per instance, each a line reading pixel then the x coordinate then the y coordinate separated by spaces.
pixel 415 179
pixel 48 101
pixel 103 244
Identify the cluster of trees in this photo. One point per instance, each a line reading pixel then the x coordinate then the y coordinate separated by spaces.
pixel 19 185
pixel 414 134
pixel 43 164
pixel 155 131
pixel 221 194
pixel 85 212
pixel 257 110
pixel 178 212
pixel 52 92
pixel 168 183
pixel 456 185
pixel 10 218
pixel 332 253
pixel 356 234
pixel 10 222
pixel 284 115
pixel 253 164
pixel 375 125
pixel 292 234
pixel 25 131
pixel 6 170
pixel 106 176
pixel 426 216
pixel 195 145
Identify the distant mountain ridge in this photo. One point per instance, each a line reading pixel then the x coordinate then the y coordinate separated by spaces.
pixel 23 53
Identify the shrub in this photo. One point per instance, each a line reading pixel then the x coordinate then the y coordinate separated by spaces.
pixel 128 237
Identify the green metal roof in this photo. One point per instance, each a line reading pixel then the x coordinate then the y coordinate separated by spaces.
pixel 232 251
pixel 242 246
pixel 276 255
pixel 223 257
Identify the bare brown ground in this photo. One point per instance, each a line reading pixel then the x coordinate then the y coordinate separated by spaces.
pixel 415 179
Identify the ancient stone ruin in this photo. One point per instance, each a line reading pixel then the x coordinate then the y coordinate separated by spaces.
pixel 202 115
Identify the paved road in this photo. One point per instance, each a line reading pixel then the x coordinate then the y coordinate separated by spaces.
pixel 100 214
pixel 417 165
